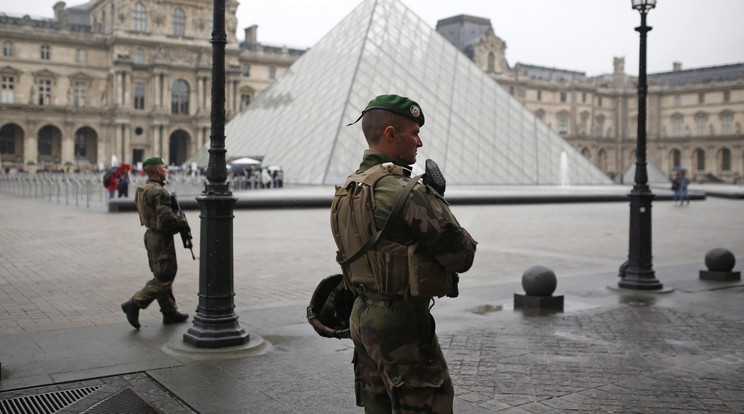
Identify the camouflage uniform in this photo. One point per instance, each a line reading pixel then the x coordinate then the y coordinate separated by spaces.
pixel 398 363
pixel 154 205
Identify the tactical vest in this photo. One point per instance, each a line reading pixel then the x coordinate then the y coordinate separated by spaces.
pixel 147 214
pixel 389 267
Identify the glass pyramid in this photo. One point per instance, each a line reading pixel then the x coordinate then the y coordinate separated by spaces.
pixel 475 130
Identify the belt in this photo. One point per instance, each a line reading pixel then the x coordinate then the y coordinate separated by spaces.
pixel 377 298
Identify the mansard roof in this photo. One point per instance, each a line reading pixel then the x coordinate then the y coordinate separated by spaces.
pixel 698 75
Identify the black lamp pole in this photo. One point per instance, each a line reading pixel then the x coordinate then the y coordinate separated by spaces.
pixel 638 272
pixel 215 324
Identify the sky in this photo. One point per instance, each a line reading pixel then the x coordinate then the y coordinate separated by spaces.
pixel 579 35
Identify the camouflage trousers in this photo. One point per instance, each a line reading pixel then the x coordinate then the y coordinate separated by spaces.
pixel 161 255
pixel 398 364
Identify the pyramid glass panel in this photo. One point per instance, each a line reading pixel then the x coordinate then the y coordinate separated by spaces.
pixel 475 130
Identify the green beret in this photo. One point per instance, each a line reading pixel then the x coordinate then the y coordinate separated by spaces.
pixel 153 161
pixel 396 104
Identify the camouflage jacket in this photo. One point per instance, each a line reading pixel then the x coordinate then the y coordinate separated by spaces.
pixel 425 218
pixel 154 207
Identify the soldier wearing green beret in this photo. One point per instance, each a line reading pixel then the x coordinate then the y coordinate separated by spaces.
pixel 398 363
pixel 155 211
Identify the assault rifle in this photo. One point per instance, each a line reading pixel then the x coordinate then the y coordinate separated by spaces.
pixel 185 233
pixel 434 178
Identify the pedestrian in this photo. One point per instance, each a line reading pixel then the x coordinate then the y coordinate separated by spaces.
pixel 155 212
pixel 122 184
pixel 398 363
pixel 111 185
pixel 675 187
pixel 683 183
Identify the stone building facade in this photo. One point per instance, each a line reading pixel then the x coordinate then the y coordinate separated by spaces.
pixel 123 78
pixel 695 116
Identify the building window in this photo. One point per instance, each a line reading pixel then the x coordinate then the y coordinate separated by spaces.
pixel 44 145
pixel 8 86
pixel 725 159
pixel 139 18
pixel 245 100
pixel 677 100
pixel 701 125
pixel 701 98
pixel 583 97
pixel 599 101
pixel 676 158
pixel 7 139
pixel 563 96
pixel 677 127
pixel 139 95
pixel 272 72
pixel 139 56
pixel 563 124
pixel 246 70
pixel 539 95
pixel 8 49
pixel 45 92
pixel 491 62
pixel 179 22
pixel 600 126
pixel 700 159
pixel 180 97
pixel 44 52
pixel 726 124
pixel 80 56
pixel 726 96
pixel 80 147
pixel 80 88
pixel 582 127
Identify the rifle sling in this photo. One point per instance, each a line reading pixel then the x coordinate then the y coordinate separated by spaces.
pixel 394 212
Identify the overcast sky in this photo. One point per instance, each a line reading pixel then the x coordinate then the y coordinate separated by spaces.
pixel 581 35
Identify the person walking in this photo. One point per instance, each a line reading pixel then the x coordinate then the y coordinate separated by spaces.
pixel 155 212
pixel 398 363
pixel 684 182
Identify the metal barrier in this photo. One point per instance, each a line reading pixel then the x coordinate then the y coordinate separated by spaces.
pixel 86 189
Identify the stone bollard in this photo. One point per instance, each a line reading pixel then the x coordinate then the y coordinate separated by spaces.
pixel 539 283
pixel 720 264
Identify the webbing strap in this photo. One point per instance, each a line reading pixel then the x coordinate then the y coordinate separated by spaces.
pixel 394 212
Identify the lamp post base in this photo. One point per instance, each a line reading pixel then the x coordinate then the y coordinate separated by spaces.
pixel 209 332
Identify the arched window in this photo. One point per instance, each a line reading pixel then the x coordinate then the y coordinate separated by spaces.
pixel 179 22
pixel 725 160
pixel 80 145
pixel 699 158
pixel 139 18
pixel 491 62
pixel 180 97
pixel 676 158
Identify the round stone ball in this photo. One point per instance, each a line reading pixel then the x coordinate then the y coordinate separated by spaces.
pixel 539 281
pixel 720 260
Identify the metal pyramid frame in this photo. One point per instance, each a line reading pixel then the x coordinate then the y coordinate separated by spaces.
pixel 475 130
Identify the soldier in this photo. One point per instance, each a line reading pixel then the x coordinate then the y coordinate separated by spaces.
pixel 398 363
pixel 154 207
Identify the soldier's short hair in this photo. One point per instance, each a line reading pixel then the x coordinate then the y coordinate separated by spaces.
pixel 376 120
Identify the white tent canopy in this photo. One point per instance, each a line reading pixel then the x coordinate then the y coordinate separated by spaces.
pixel 245 161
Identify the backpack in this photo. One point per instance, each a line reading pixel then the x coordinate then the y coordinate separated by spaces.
pixel 107 176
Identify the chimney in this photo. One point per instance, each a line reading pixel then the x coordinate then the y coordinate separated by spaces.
pixel 59 11
pixel 677 66
pixel 251 34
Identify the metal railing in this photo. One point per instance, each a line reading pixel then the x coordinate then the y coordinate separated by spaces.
pixel 86 189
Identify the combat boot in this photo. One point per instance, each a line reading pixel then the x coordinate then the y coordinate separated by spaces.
pixel 132 312
pixel 174 317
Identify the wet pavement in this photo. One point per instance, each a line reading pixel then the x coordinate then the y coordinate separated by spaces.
pixel 64 271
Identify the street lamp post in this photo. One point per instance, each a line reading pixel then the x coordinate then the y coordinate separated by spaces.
pixel 215 324
pixel 638 272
